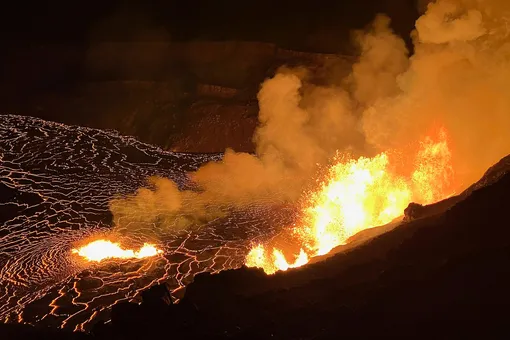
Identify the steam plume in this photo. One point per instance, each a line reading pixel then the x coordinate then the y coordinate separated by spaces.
pixel 458 78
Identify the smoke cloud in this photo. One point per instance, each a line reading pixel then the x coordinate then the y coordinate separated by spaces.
pixel 458 78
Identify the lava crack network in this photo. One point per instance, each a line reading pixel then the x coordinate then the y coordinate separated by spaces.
pixel 55 184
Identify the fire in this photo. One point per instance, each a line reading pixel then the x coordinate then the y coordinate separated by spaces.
pixel 100 250
pixel 258 258
pixel 358 194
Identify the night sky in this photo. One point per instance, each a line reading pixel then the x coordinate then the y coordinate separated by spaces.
pixel 322 26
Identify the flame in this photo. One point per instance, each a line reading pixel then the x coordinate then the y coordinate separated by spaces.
pixel 100 250
pixel 257 258
pixel 358 194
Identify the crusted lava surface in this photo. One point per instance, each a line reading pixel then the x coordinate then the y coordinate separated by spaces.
pixel 55 184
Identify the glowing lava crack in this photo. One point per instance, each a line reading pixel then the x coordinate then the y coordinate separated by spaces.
pixel 100 250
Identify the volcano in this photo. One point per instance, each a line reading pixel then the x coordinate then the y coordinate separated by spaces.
pixel 445 263
pixel 426 276
pixel 352 205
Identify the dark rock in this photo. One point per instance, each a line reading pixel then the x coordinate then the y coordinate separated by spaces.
pixel 29 332
pixel 126 316
pixel 185 313
pixel 413 211
pixel 157 296
pixel 88 283
pixel 101 329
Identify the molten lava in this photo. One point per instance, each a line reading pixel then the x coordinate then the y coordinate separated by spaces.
pixel 102 249
pixel 358 194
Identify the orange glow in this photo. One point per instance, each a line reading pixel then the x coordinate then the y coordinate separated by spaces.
pixel 259 258
pixel 358 194
pixel 100 250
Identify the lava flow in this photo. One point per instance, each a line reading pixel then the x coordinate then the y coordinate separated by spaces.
pixel 359 194
pixel 100 250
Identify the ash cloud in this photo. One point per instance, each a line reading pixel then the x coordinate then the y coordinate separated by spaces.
pixel 458 78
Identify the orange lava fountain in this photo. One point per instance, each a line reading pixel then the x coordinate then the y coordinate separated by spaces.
pixel 359 194
pixel 100 250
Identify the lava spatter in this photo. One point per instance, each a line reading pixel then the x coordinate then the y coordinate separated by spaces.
pixel 359 194
pixel 99 250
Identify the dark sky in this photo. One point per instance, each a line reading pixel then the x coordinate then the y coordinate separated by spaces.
pixel 317 25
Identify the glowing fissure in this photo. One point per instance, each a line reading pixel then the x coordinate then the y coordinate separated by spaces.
pixel 358 194
pixel 100 250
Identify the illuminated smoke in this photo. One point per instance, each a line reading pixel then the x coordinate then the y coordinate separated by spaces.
pixel 457 79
